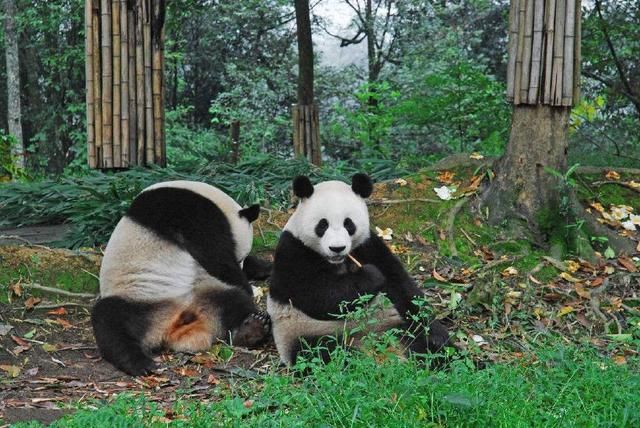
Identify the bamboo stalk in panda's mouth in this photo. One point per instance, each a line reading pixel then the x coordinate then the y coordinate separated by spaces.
pixel 354 260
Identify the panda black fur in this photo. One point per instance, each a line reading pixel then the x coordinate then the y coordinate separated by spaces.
pixel 312 275
pixel 172 276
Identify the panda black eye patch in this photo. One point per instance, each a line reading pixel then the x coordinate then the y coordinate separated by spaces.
pixel 322 227
pixel 350 226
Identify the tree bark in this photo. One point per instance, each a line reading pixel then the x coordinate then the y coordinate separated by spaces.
pixel 14 114
pixel 523 186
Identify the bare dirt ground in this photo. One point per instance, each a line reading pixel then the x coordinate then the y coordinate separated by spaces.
pixel 49 363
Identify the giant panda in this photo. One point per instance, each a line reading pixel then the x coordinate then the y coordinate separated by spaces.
pixel 313 276
pixel 172 276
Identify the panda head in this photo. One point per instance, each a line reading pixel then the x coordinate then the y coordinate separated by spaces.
pixel 332 217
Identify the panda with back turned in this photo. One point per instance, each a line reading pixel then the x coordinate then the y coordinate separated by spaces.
pixel 175 275
pixel 313 276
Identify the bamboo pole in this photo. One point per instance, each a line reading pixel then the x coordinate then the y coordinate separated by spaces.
pixel 526 55
pixel 124 83
pixel 148 91
pixel 91 143
pixel 558 54
pixel 512 48
pixel 97 82
pixel 520 50
pixel 576 58
pixel 157 53
pixel 116 43
pixel 131 23
pixel 307 132
pixel 550 37
pixel 140 113
pixel 316 157
pixel 536 52
pixel 569 45
pixel 295 118
pixel 107 85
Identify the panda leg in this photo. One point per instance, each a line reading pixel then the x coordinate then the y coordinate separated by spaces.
pixel 120 327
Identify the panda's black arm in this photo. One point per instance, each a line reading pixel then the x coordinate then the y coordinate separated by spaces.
pixel 399 286
pixel 256 268
pixel 314 286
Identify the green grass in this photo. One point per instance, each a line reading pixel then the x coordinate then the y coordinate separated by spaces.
pixel 562 387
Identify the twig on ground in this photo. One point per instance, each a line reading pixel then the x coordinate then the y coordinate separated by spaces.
pixel 595 302
pixel 54 306
pixel 399 201
pixel 619 183
pixel 60 291
pixel 556 263
pixel 23 240
pixel 450 222
pixel 464 232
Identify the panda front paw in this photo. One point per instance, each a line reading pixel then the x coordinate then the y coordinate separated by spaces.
pixel 254 330
pixel 374 279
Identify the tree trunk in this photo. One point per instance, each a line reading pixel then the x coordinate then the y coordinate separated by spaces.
pixel 14 116
pixel 306 141
pixel 523 186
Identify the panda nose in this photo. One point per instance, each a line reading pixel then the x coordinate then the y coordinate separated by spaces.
pixel 337 249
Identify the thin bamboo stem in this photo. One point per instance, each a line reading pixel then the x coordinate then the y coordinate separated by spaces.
pixel 124 83
pixel 116 43
pixel 91 143
pixel 107 85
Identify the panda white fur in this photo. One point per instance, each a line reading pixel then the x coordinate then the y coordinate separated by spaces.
pixel 172 276
pixel 312 275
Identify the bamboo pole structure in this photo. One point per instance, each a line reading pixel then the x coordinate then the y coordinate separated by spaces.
pixel 306 132
pixel 91 141
pixel 544 47
pixel 124 84
pixel 124 52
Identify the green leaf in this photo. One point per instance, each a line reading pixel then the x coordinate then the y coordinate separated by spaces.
pixel 609 253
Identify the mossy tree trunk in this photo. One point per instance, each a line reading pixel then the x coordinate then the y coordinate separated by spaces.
pixel 523 186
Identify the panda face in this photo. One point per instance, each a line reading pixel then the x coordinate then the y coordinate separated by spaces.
pixel 332 221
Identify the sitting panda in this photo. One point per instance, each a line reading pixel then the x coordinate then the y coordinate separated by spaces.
pixel 172 276
pixel 312 275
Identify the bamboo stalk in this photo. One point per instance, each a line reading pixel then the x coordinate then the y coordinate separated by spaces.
pixel 520 50
pixel 140 83
pixel 558 54
pixel 307 132
pixel 107 85
pixel 157 53
pixel 536 52
pixel 148 92
pixel 91 143
pixel 576 59
pixel 116 43
pixel 550 36
pixel 512 48
pixel 97 82
pixel 301 129
pixel 569 46
pixel 124 83
pixel 296 130
pixel 315 137
pixel 526 56
pixel 131 22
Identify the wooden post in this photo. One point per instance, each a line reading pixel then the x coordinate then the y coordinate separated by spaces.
pixel 124 83
pixel 140 134
pixel 157 46
pixel 107 85
pixel 235 141
pixel 97 81
pixel 115 42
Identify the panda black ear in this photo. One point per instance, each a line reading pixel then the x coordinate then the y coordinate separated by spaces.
pixel 251 213
pixel 362 185
pixel 302 186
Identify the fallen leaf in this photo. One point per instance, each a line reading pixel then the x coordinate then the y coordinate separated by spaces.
pixel 572 266
pixel 437 276
pixel 534 280
pixel 49 348
pixel 20 349
pixel 596 282
pixel 567 277
pixel 12 371
pixel 580 291
pixel 565 310
pixel 476 156
pixel 635 219
pixel 609 253
pixel 16 288
pixel 31 302
pixel 60 311
pixel 638 247
pixel 64 323
pixel 401 181
pixel 609 270
pixel 510 271
pixel 612 175
pixel 620 360
pixel 212 380
pixel 248 404
pixel 627 263
pixel 186 371
pixel 5 328
pixel 20 341
pixel 444 193
pixel 446 177
pixel 32 371
pixel 386 234
pixel 479 340
pixel 597 206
